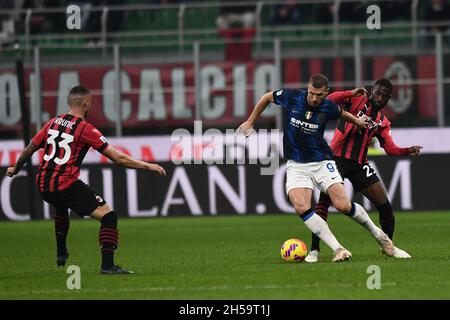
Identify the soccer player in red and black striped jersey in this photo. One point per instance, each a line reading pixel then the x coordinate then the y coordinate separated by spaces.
pixel 350 146
pixel 66 140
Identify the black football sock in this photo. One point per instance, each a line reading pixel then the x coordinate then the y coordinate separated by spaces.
pixel 108 238
pixel 62 223
pixel 315 243
pixel 322 211
pixel 387 219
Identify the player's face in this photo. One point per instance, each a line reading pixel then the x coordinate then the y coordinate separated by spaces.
pixel 380 96
pixel 87 105
pixel 315 96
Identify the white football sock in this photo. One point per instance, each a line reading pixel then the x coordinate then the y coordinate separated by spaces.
pixel 320 228
pixel 363 219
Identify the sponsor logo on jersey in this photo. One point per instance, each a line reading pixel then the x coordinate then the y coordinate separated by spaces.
pixel 371 124
pixel 306 127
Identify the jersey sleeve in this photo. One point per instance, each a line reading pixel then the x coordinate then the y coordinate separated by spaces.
pixel 340 97
pixel 334 111
pixel 282 96
pixel 93 137
pixel 39 138
pixel 388 144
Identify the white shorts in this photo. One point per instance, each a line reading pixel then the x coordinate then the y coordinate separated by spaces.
pixel 321 174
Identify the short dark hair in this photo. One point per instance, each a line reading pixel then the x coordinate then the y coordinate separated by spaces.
pixel 79 91
pixel 76 95
pixel 384 83
pixel 318 81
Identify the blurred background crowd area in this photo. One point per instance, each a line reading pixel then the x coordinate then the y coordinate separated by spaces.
pixel 180 61
pixel 163 20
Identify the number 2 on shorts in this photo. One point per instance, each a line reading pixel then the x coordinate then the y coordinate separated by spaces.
pixel 369 170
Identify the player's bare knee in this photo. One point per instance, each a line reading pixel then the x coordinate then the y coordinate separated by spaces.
pixel 343 205
pixel 300 207
pixel 101 211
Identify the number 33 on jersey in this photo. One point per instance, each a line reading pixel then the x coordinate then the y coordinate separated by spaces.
pixel 65 140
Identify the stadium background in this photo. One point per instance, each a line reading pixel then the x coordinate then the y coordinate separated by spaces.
pixel 176 65
pixel 209 230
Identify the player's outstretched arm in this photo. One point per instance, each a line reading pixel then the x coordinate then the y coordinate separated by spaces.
pixel 246 128
pixel 24 157
pixel 388 144
pixel 414 150
pixel 128 162
pixel 340 97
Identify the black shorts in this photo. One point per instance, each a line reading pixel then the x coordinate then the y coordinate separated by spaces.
pixel 79 197
pixel 360 175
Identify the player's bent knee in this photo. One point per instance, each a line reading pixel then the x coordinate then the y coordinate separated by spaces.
pixel 344 206
pixel 299 205
pixel 110 219
pixel 101 211
pixel 300 208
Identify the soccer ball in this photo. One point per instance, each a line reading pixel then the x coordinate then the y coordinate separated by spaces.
pixel 294 250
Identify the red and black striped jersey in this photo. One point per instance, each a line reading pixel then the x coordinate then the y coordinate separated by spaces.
pixel 352 143
pixel 65 139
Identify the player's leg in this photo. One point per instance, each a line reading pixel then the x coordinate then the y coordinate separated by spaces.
pixel 86 202
pixel 328 180
pixel 357 213
pixel 301 200
pixel 62 223
pixel 322 210
pixel 108 235
pixel 377 195
pixel 108 238
pixel 299 188
pixel 365 180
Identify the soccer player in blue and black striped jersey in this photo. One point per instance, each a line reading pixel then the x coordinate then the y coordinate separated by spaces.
pixel 310 160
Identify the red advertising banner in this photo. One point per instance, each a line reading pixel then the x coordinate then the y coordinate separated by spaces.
pixel 153 95
pixel 161 95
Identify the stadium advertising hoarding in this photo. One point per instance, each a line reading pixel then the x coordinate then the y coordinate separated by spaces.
pixel 196 190
pixel 216 189
pixel 164 94
pixel 166 148
pixel 157 95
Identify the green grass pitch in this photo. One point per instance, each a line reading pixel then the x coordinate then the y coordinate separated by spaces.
pixel 226 257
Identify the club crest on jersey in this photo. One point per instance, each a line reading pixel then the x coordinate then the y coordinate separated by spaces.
pixel 308 115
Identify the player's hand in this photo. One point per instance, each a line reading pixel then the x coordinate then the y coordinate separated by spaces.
pixel 246 129
pixel 414 150
pixel 362 122
pixel 360 91
pixel 157 168
pixel 11 171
